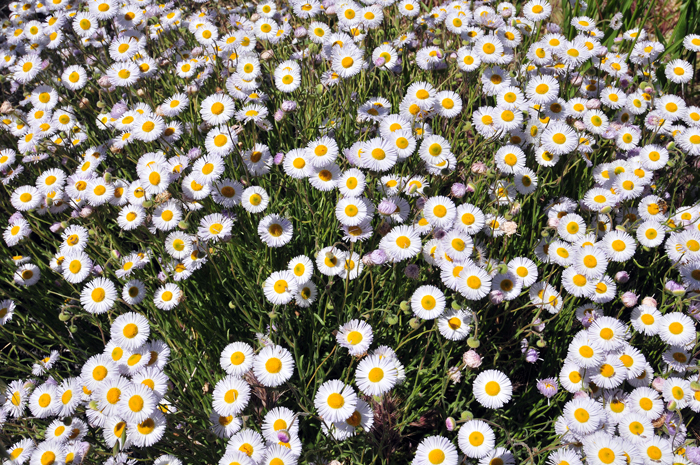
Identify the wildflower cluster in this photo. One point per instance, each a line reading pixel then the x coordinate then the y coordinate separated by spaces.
pixel 357 211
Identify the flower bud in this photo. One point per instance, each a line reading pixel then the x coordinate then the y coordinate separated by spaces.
pixel 629 299
pixel 450 424
pixel 649 301
pixel 466 415
pixel 283 436
pixel 658 384
pixel 414 323
pixel 473 343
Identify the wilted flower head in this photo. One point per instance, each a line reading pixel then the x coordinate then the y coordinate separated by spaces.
pixel 532 356
pixel 458 190
pixel 386 207
pixel 629 299
pixel 412 271
pixel 379 257
pixel 471 359
pixel 548 387
pixel 288 106
pixel 479 168
pixel 455 374
pixel 674 288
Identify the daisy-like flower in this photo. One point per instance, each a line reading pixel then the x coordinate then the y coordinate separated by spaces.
pixel 280 287
pixel 646 401
pixel 679 71
pixel 356 336
pixel 20 451
pixel 559 139
pixel 378 155
pixel 76 267
pixel 255 199
pixel 335 401
pixel 583 415
pixel 676 328
pixel 131 217
pixel 510 158
pixel 26 68
pixel 217 109
pixel 436 450
pixel 167 296
pixel 469 219
pixel 97 371
pixel 48 452
pixel 123 74
pixel 275 231
pixel 98 296
pixel 26 198
pixel 454 324
pixel 610 374
pixel 109 393
pixel 237 358
pixel 174 105
pixel 492 389
pixel 525 181
pixel 537 10
pixel 43 401
pixel 16 231
pixel 133 292
pixel 402 243
pixel 347 61
pixel 590 262
pixel 474 282
pixel 130 330
pixel 7 309
pixel 137 402
pixel 619 246
pixel 489 48
pixel 440 211
pixel 231 396
pixel 541 90
pixel 148 431
pixel 375 375
pixel 476 439
pixel 428 302
pixel 273 366
pixel 215 227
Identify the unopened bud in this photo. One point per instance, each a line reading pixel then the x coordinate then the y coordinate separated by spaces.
pixel 466 415
pixel 414 323
pixel 473 343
